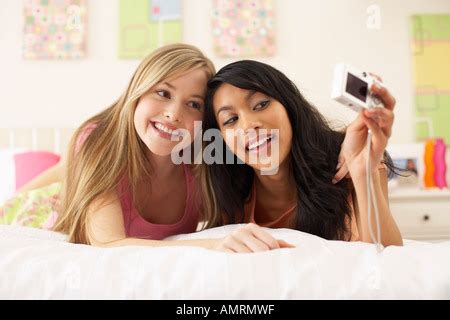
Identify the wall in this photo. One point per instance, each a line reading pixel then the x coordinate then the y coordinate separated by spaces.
pixel 311 35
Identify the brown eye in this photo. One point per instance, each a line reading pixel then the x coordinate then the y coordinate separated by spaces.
pixel 262 105
pixel 163 94
pixel 195 105
pixel 230 121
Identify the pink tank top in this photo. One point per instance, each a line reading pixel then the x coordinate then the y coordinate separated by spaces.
pixel 135 225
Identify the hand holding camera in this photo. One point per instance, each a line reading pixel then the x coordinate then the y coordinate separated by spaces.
pixel 364 93
pixel 366 138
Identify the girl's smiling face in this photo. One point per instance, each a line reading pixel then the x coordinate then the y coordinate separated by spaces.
pixel 170 108
pixel 260 126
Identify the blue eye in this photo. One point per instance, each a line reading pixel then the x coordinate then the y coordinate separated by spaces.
pixel 261 105
pixel 230 121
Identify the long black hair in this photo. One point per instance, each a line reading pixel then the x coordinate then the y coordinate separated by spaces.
pixel 323 207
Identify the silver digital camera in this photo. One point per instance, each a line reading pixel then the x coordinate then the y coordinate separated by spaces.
pixel 351 87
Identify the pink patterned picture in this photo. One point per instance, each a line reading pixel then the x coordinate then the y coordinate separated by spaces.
pixel 54 29
pixel 243 28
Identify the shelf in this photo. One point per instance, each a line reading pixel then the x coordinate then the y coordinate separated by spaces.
pixel 415 193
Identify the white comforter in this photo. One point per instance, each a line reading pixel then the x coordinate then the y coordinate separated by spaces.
pixel 37 264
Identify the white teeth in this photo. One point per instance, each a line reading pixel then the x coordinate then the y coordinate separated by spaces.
pixel 163 128
pixel 258 143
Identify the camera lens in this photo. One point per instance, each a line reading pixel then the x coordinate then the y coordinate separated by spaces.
pixel 364 74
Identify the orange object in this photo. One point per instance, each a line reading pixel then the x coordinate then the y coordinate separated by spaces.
pixel 429 164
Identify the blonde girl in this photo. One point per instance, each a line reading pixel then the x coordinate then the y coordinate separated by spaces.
pixel 120 186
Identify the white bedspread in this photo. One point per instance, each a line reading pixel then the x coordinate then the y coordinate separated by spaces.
pixel 37 264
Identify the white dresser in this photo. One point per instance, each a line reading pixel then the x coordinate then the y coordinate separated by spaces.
pixel 422 215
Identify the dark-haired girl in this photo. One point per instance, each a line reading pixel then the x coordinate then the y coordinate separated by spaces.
pixel 304 192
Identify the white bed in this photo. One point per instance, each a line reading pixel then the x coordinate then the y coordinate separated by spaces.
pixel 38 264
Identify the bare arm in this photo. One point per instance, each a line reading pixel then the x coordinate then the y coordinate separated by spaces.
pixel 106 228
pixel 204 243
pixel 357 151
pixel 390 234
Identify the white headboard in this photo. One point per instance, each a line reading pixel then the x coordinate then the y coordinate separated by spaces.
pixel 49 139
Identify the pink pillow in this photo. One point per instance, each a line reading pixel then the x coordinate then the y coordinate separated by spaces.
pixel 31 164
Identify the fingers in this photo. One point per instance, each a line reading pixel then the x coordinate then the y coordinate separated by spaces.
pixel 384 94
pixel 372 125
pixel 250 241
pixel 235 245
pixel 378 143
pixel 357 124
pixel 376 76
pixel 379 139
pixel 341 160
pixel 341 167
pixel 251 238
pixel 381 91
pixel 284 244
pixel 262 235
pixel 341 174
pixel 384 118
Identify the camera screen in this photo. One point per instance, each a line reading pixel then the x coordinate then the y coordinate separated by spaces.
pixel 356 87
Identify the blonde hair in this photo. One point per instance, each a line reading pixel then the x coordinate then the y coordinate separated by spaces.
pixel 113 148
